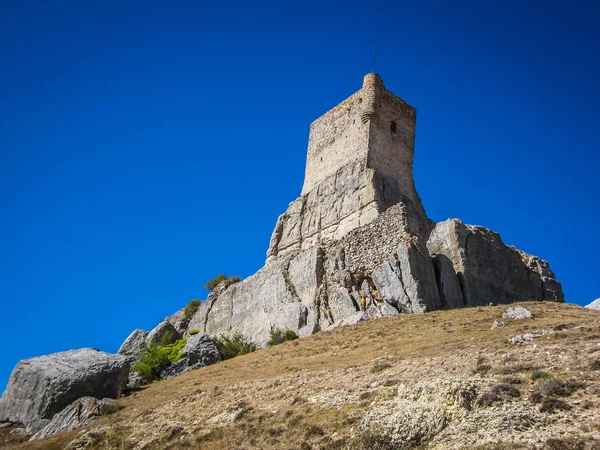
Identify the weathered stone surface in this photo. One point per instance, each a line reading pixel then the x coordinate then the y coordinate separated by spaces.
pixel 36 425
pixel 199 351
pixel 163 329
pixel 76 415
pixel 447 282
pixel 517 313
pixel 594 305
pixel 489 271
pixel 262 302
pixel 40 387
pixel 134 344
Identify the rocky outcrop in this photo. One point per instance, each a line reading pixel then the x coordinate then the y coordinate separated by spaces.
pixel 476 260
pixel 40 387
pixel 134 344
pixel 386 267
pixel 77 414
pixel 199 351
pixel 594 305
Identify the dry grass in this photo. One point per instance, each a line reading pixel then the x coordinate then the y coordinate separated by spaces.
pixel 284 397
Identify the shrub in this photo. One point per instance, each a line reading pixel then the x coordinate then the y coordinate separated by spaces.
pixel 552 404
pixel 278 336
pixel 156 358
pixel 193 332
pixel 191 309
pixel 233 346
pixel 553 387
pixel 498 394
pixel 212 284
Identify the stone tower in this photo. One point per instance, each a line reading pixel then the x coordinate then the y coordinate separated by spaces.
pixel 359 163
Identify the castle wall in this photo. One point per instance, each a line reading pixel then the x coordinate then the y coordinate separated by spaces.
pixel 336 138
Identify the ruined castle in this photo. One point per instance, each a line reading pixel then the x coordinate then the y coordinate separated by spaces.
pixel 357 243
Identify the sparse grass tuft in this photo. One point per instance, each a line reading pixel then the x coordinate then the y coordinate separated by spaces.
pixel 538 375
pixel 380 366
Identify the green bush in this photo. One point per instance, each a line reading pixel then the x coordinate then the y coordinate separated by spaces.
pixel 193 332
pixel 191 308
pixel 157 357
pixel 212 284
pixel 233 346
pixel 278 336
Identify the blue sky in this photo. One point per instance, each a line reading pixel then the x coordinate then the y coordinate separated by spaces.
pixel 147 147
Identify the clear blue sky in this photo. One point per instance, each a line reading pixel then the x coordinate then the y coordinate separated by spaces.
pixel 146 147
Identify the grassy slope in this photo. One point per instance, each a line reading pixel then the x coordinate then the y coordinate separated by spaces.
pixel 313 393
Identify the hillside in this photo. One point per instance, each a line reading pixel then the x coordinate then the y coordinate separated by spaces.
pixel 443 380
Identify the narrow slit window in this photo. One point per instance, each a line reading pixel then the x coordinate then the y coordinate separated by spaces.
pixel 393 126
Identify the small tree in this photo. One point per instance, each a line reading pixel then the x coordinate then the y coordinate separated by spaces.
pixel 191 308
pixel 233 346
pixel 278 336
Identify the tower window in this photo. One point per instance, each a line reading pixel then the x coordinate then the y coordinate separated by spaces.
pixel 393 126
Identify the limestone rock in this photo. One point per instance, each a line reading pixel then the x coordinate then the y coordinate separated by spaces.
pixel 163 329
pixel 40 387
pixel 517 313
pixel 134 344
pixel 498 324
pixel 36 425
pixel 77 414
pixel 594 305
pixel 199 351
pixel 486 269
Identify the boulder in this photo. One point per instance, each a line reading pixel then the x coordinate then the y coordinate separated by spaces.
pixel 199 351
pixel 594 305
pixel 77 414
pixel 164 330
pixel 517 313
pixel 40 387
pixel 134 344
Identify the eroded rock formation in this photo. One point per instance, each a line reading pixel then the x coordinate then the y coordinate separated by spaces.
pixel 40 387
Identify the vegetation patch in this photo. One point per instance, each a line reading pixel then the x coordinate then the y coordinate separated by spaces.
pixel 553 404
pixel 210 285
pixel 278 336
pixel 193 332
pixel 380 366
pixel 539 375
pixel 235 345
pixel 553 387
pixel 191 308
pixel 157 357
pixel 498 394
